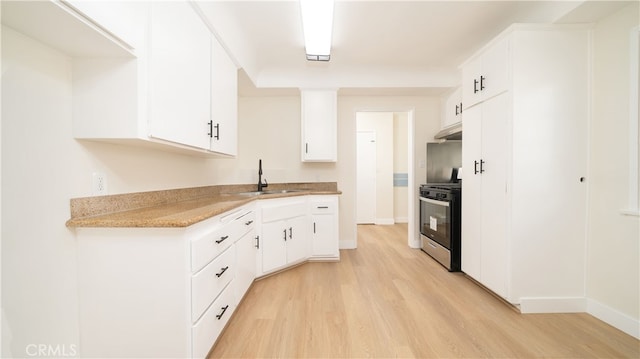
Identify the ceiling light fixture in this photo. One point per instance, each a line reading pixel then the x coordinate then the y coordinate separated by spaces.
pixel 317 23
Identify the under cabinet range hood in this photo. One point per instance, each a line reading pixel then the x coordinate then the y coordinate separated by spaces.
pixel 450 133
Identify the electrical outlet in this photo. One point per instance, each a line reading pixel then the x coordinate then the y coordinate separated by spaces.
pixel 99 184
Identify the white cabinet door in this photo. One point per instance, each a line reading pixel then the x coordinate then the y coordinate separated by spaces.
pixel 180 73
pixel 323 239
pixel 224 101
pixel 486 75
pixel 319 125
pixel 472 189
pixel 484 158
pixel 246 250
pixel 495 124
pixel 274 245
pixel 471 73
pixel 297 242
pixel 495 69
pixel 453 109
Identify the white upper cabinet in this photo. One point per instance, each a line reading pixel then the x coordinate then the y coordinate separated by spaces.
pixel 319 125
pixel 486 74
pixel 452 114
pixel 174 89
pixel 223 125
pixel 180 72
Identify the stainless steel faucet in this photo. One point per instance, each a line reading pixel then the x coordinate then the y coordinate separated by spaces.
pixel 260 184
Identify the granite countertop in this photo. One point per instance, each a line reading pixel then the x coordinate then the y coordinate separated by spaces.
pixel 179 207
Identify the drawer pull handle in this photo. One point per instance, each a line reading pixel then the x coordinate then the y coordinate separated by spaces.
pixel 221 239
pixel 323 207
pixel 248 223
pixel 224 309
pixel 222 270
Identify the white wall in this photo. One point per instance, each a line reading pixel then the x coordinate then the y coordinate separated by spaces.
pixel 613 270
pixel 382 124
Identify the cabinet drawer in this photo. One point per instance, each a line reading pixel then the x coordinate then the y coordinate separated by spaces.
pixel 207 284
pixel 244 224
pixel 206 330
pixel 211 244
pixel 323 207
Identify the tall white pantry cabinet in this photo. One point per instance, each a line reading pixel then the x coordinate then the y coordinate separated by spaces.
pixel 524 154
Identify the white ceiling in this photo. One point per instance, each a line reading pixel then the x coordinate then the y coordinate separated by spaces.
pixel 384 47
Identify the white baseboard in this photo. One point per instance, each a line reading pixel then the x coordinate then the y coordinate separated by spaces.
pixel 402 220
pixel 384 221
pixel 350 244
pixel 614 318
pixel 553 305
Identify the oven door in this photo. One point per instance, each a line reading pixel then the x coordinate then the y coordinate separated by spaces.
pixel 435 221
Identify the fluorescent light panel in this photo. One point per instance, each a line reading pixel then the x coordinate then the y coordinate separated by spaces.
pixel 317 24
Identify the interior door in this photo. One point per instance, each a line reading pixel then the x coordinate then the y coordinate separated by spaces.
pixel 366 177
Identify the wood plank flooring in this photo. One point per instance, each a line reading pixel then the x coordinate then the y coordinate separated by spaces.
pixel 387 300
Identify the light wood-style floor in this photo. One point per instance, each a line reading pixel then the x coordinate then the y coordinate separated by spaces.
pixel 387 300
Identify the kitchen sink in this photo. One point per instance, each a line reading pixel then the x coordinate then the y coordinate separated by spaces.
pixel 260 193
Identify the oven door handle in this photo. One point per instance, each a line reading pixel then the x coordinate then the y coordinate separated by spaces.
pixel 433 201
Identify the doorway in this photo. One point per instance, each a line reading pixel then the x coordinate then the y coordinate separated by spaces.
pixel 384 168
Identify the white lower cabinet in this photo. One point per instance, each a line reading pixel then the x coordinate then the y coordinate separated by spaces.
pixel 324 227
pixel 169 292
pixel 284 230
pixel 162 292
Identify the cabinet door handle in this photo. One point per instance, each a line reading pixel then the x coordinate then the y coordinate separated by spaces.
pixel 481 166
pixel 222 270
pixel 460 108
pixel 248 223
pixel 210 133
pixel 221 239
pixel 475 86
pixel 217 127
pixel 482 83
pixel 224 309
pixel 257 242
pixel 306 148
pixel 314 227
pixel 323 207
pixel 475 167
pixel 290 232
pixel 285 234
pixel 457 110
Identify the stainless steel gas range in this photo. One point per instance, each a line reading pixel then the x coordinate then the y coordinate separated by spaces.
pixel 440 226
